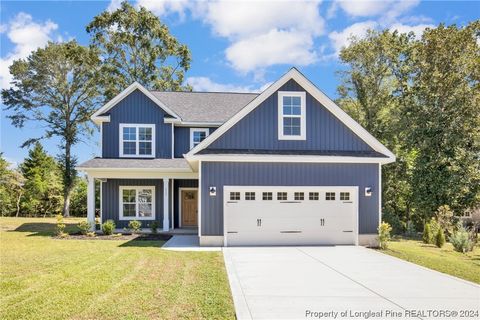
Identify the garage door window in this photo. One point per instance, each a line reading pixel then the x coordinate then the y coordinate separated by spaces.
pixel 330 196
pixel 249 195
pixel 234 195
pixel 345 196
pixel 267 196
pixel 313 196
pixel 299 196
pixel 281 196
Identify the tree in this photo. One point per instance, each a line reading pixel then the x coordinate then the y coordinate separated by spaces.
pixel 443 118
pixel 43 185
pixel 59 87
pixel 136 46
pixel 7 197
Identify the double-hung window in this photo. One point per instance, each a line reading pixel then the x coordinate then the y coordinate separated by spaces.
pixel 137 140
pixel 291 115
pixel 137 202
pixel 197 135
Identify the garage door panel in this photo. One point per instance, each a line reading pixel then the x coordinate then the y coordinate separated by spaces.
pixel 290 221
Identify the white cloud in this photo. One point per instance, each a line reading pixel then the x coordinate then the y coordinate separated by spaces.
pixel 206 84
pixel 165 7
pixel 26 35
pixel 343 38
pixel 363 8
pixel 274 47
pixel 114 5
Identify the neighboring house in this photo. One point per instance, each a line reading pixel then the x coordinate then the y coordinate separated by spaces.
pixel 283 167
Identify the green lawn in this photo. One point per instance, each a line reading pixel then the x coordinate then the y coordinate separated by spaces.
pixel 446 260
pixel 46 278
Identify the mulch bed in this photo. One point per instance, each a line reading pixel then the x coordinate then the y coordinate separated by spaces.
pixel 123 236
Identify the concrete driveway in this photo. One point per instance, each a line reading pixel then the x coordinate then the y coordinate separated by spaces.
pixel 343 282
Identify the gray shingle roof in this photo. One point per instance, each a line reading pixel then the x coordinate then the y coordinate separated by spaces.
pixel 205 106
pixel 135 163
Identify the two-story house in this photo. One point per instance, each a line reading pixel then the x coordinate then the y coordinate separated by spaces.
pixel 286 166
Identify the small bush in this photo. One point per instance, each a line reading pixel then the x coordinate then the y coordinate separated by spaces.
pixel 394 221
pixel 434 226
pixel 460 239
pixel 90 234
pixel 384 235
pixel 108 227
pixel 60 225
pixel 411 232
pixel 427 234
pixel 85 227
pixel 154 226
pixel 117 235
pixel 440 238
pixel 134 226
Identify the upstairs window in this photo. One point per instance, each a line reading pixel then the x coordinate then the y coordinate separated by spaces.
pixel 137 140
pixel 291 115
pixel 197 135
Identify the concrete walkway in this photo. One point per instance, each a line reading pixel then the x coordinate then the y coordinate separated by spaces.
pixel 186 243
pixel 342 282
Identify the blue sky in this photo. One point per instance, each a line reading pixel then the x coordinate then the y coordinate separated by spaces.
pixel 236 45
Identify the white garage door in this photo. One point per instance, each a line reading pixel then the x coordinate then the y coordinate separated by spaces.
pixel 290 215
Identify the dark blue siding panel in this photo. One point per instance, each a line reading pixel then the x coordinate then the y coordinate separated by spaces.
pixel 111 201
pixel 259 129
pixel 184 183
pixel 136 108
pixel 182 140
pixel 219 174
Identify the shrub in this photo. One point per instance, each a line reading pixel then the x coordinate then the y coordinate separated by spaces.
pixel 460 239
pixel 108 227
pixel 384 235
pixel 434 226
pixel 427 234
pixel 84 226
pixel 60 226
pixel 411 232
pixel 394 221
pixel 440 238
pixel 445 218
pixel 91 234
pixel 154 226
pixel 117 235
pixel 134 226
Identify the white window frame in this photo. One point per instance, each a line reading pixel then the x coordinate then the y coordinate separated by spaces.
pixel 137 151
pixel 136 188
pixel 193 130
pixel 302 116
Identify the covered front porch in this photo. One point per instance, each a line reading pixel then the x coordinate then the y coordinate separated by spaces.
pixel 163 198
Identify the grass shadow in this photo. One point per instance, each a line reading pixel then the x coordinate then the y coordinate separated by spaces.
pixel 147 240
pixel 43 229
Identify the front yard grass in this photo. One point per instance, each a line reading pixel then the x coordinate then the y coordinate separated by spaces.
pixel 46 278
pixel 446 260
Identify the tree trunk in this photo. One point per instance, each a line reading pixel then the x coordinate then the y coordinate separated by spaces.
pixel 68 180
pixel 18 203
pixel 66 203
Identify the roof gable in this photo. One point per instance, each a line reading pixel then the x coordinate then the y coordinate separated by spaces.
pixel 326 102
pixel 98 116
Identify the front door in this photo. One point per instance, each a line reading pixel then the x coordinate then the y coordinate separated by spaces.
pixel 189 208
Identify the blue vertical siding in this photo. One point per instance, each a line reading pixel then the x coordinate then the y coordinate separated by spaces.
pixel 180 183
pixel 259 129
pixel 111 200
pixel 136 108
pixel 220 174
pixel 182 140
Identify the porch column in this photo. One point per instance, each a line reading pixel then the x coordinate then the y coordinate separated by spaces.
pixel 166 201
pixel 91 201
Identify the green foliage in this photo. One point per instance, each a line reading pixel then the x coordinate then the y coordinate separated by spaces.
pixel 108 227
pixel 60 229
pixel 427 234
pixel 91 234
pixel 78 203
pixel 440 238
pixel 434 226
pixel 84 226
pixel 154 226
pixel 384 235
pixel 394 221
pixel 43 184
pixel 11 189
pixel 58 87
pixel 445 219
pixel 134 226
pixel 460 239
pixel 136 46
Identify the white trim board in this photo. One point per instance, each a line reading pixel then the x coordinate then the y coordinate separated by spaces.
pixel 288 158
pixel 317 94
pixel 97 118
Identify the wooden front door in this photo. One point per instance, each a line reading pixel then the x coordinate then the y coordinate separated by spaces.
pixel 189 205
